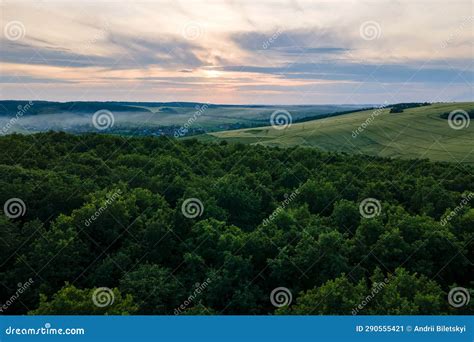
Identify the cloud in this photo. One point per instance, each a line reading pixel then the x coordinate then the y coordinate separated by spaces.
pixel 273 51
pixel 360 72
pixel 30 54
pixel 19 79
pixel 312 40
pixel 164 50
pixel 124 51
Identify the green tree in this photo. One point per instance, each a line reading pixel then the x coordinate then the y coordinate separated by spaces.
pixel 70 300
pixel 154 288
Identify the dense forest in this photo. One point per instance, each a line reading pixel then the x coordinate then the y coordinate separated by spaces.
pixel 172 226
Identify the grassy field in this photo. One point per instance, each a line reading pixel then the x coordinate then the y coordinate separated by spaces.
pixel 415 133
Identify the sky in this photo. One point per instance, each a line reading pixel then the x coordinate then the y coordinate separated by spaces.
pixel 238 52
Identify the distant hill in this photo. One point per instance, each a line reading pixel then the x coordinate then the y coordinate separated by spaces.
pixel 416 132
pixel 45 107
pixel 149 118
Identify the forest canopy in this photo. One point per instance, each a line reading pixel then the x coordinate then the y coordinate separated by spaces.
pixel 168 226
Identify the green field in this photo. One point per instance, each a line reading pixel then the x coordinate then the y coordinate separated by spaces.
pixel 415 133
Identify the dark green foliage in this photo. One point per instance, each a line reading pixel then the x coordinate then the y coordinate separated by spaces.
pixel 70 300
pixel 106 211
pixel 399 107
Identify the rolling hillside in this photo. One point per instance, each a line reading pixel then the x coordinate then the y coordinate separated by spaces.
pixel 415 133
pixel 148 118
